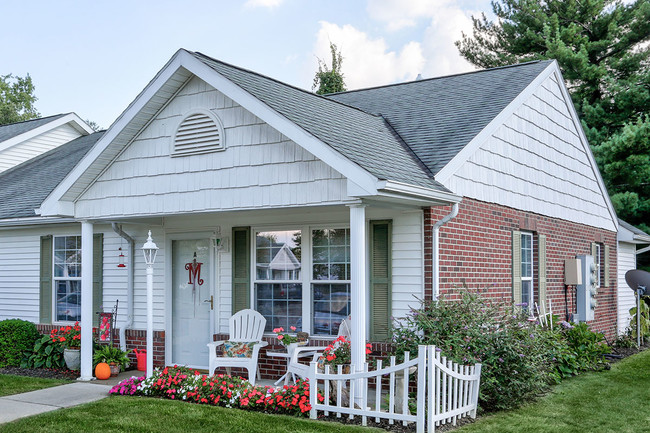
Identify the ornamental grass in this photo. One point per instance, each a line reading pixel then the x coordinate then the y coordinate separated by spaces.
pixel 180 383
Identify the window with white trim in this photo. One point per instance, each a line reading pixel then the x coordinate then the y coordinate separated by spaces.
pixel 597 262
pixel 288 262
pixel 67 278
pixel 527 292
pixel 330 279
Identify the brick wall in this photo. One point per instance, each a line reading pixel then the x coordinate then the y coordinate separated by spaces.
pixel 135 339
pixel 476 246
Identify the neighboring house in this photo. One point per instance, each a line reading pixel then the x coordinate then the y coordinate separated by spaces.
pixel 310 208
pixel 24 140
pixel 629 238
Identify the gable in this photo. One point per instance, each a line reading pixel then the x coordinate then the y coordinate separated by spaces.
pixel 258 166
pixel 537 160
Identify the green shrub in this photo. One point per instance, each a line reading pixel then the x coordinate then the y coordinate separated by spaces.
pixel 44 354
pixel 587 346
pixel 16 336
pixel 517 355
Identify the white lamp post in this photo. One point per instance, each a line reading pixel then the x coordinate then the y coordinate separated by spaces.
pixel 149 249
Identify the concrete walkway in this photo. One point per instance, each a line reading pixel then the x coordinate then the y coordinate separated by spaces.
pixel 17 406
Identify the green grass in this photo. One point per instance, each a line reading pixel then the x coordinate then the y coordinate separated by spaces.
pixel 144 414
pixel 10 384
pixel 610 401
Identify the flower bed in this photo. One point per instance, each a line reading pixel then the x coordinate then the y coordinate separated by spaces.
pixel 179 383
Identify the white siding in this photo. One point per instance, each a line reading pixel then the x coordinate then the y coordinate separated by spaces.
pixel 259 168
pixel 536 162
pixel 20 273
pixel 626 297
pixel 35 146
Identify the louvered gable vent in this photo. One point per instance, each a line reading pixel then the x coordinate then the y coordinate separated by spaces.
pixel 200 132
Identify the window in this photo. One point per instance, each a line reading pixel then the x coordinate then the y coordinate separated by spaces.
pixel 67 278
pixel 597 262
pixel 527 269
pixel 330 280
pixel 302 276
pixel 278 284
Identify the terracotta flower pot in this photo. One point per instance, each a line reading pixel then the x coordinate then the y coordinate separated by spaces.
pixel 115 369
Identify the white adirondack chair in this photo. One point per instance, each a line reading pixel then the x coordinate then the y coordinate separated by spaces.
pixel 295 368
pixel 245 326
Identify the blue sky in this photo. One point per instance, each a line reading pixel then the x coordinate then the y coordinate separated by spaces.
pixel 93 58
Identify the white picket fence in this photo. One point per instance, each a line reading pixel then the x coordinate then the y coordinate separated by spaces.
pixel 445 391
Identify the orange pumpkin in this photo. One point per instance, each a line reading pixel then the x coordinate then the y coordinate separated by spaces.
pixel 102 371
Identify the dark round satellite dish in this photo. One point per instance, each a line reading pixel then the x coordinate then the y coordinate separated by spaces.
pixel 636 278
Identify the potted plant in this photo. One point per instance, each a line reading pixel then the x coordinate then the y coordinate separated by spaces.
pixel 69 337
pixel 286 339
pixel 115 357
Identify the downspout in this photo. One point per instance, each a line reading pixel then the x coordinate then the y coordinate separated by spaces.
pixel 436 255
pixel 129 284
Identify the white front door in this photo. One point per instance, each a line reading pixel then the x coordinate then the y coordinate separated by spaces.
pixel 191 288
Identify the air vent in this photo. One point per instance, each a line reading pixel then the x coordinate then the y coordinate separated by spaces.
pixel 199 132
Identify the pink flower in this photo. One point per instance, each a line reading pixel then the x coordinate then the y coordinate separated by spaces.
pixel 293 328
pixel 280 337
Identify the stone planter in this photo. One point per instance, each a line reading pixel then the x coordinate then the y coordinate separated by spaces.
pixel 72 358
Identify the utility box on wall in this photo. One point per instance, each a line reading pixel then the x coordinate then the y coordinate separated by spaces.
pixel 587 290
pixel 572 272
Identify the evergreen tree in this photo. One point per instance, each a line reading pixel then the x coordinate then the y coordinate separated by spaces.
pixel 603 50
pixel 330 80
pixel 16 99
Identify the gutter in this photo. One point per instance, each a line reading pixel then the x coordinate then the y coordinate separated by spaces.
pixel 129 284
pixel 436 247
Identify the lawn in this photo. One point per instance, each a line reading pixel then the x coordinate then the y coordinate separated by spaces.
pixel 611 401
pixel 143 414
pixel 10 384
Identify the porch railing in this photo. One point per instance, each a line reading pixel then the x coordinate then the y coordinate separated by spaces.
pixel 445 391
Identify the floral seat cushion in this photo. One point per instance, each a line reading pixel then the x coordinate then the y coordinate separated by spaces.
pixel 238 349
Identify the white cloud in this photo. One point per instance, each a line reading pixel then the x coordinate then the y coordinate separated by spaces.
pixel 263 3
pixel 446 22
pixel 366 61
pixel 398 14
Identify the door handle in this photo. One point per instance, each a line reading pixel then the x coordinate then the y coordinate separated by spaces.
pixel 211 301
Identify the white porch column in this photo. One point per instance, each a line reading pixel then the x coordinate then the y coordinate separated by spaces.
pixel 86 301
pixel 358 289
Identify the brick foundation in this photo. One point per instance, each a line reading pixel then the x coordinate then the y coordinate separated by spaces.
pixel 476 252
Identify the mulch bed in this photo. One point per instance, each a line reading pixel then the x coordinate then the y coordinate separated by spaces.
pixel 45 373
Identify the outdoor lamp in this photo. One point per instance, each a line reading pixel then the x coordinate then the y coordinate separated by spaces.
pixel 149 249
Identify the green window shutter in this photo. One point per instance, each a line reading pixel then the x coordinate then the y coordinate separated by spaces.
pixel 593 250
pixel 606 265
pixel 380 280
pixel 541 269
pixel 516 267
pixel 240 268
pixel 45 304
pixel 98 276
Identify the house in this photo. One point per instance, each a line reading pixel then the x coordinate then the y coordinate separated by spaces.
pixel 310 208
pixel 24 140
pixel 629 238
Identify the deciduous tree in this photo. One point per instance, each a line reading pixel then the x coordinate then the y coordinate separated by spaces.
pixel 330 80
pixel 16 99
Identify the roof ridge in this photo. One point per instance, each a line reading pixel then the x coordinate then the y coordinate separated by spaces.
pixel 306 92
pixel 515 65
pixel 37 118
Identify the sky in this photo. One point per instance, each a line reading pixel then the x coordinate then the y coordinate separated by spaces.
pixel 93 58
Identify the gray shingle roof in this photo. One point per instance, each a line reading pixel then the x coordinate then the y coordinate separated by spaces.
pixel 24 187
pixel 363 138
pixel 437 117
pixel 14 129
pixel 631 228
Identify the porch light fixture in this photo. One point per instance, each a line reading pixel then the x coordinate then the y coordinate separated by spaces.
pixel 149 249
